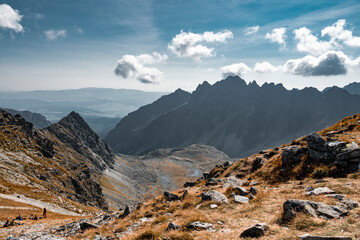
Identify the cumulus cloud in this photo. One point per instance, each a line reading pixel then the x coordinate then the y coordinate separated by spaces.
pixel 54 34
pixel 236 69
pixel 190 45
pixel 327 64
pixel 278 36
pixel 130 66
pixel 265 67
pixel 310 43
pixel 251 30
pixel 10 18
pixel 337 32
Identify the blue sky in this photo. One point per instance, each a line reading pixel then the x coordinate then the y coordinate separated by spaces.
pixel 164 45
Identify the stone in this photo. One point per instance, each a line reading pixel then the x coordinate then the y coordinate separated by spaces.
pixel 85 226
pixel 315 154
pixel 315 209
pixel 251 197
pixel 309 188
pixel 319 191
pixel 255 231
pixel 291 156
pixel 338 197
pixel 172 226
pixel 241 191
pixel 253 190
pixel 355 153
pixel 309 237
pixel 241 199
pixel 257 163
pixel 253 183
pixel 185 193
pixel 214 196
pixel 335 146
pixel 211 182
pixel 213 206
pixel 234 181
pixel 171 197
pixel 199 226
pixel 315 141
pixel 350 204
pixel 189 184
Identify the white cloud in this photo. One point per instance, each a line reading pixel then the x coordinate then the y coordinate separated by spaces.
pixel 251 30
pixel 10 18
pixel 310 43
pixel 236 69
pixel 265 67
pixel 54 34
pixel 277 35
pixel 337 32
pixel 327 64
pixel 130 66
pixel 189 44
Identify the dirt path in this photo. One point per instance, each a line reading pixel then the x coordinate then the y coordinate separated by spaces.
pixel 38 203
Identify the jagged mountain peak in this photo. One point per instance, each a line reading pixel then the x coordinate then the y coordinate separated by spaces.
pixel 74 131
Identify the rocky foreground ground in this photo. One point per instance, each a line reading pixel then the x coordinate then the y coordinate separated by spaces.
pixel 308 189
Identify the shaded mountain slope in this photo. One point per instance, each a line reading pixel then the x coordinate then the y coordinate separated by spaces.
pixel 75 132
pixel 353 88
pixel 36 164
pixel 39 121
pixel 236 118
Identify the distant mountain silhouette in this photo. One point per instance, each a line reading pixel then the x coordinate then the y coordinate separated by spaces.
pixel 236 118
pixel 353 88
pixel 37 119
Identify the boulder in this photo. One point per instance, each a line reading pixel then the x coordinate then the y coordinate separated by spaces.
pixel 241 191
pixel 199 226
pixel 213 206
pixel 355 153
pixel 293 206
pixel 253 190
pixel 241 199
pixel 316 142
pixel 255 231
pixel 189 184
pixel 172 226
pixel 214 196
pixel 125 213
pixel 291 156
pixel 234 181
pixel 350 204
pixel 309 237
pixel 257 163
pixel 85 226
pixel 185 193
pixel 253 183
pixel 171 197
pixel 335 146
pixel 319 191
pixel 338 197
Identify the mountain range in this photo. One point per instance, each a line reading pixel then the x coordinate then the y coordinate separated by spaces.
pixel 236 118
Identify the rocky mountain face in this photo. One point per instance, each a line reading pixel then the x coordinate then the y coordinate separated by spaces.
pixel 39 121
pixel 134 123
pixel 76 133
pixel 236 118
pixel 38 165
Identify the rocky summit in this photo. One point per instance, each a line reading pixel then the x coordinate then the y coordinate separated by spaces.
pixel 237 118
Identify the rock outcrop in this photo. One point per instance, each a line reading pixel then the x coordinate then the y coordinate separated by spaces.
pixel 75 132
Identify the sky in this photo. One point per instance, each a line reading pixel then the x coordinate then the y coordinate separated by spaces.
pixel 162 45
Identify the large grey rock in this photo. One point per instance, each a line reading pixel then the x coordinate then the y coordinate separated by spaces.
pixel 255 231
pixel 355 153
pixel 350 204
pixel 199 226
pixel 314 141
pixel 85 226
pixel 214 196
pixel 315 154
pixel 234 181
pixel 293 206
pixel 335 146
pixel 309 237
pixel 338 197
pixel 241 199
pixel 319 191
pixel 291 156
